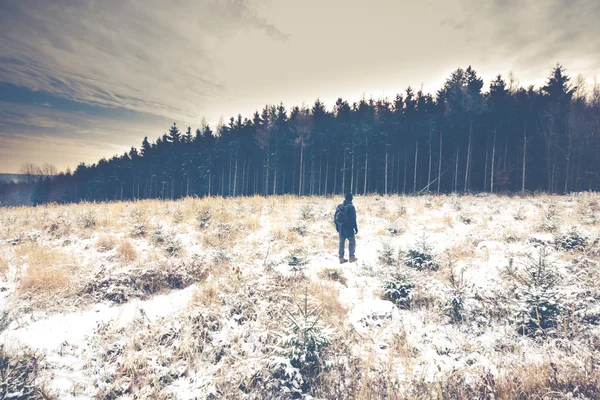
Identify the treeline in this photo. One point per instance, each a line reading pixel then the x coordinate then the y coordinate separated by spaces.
pixel 508 139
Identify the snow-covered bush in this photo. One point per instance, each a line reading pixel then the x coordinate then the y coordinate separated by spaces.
pixel 456 296
pixel 168 241
pixel 222 257
pixel 203 217
pixel 394 228
pixel 158 236
pixel 385 256
pixel 420 256
pixel 177 216
pixel 333 274
pixel 571 240
pixel 300 227
pixel 139 222
pixel 539 304
pixel 307 212
pixel 519 215
pixel 301 351
pixel 401 211
pixel 550 219
pixel 19 374
pixel 87 219
pixel 398 288
pixel 297 258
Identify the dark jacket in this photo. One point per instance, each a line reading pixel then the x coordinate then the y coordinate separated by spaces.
pixel 348 229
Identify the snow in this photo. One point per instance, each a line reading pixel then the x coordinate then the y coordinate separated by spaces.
pixel 473 237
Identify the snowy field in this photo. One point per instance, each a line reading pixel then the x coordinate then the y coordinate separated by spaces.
pixel 452 297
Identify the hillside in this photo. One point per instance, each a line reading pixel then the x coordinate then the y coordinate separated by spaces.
pixel 452 297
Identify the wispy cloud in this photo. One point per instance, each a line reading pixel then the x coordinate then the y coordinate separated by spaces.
pixel 149 56
pixel 534 34
pixel 31 133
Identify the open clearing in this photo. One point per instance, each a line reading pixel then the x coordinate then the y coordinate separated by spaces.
pixel 452 297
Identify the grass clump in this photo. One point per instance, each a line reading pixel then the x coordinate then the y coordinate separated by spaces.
pixel 126 251
pixel 105 243
pixel 3 266
pixel 333 274
pixel 87 220
pixel 204 217
pixel 46 269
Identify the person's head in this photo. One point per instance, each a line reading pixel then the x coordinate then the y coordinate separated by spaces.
pixel 348 196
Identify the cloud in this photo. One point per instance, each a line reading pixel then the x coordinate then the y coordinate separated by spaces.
pixel 535 34
pixel 149 56
pixel 34 133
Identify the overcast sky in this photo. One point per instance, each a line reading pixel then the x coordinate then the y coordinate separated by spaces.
pixel 85 79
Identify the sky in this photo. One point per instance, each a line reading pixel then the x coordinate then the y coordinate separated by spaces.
pixel 86 79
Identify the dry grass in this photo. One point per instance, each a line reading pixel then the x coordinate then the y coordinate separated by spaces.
pixel 3 266
pixel 208 295
pixel 461 251
pixel 126 251
pixel 105 243
pixel 549 379
pixel 47 269
pixel 326 295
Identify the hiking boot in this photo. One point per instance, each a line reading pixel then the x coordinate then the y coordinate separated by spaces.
pixel 353 259
pixel 343 260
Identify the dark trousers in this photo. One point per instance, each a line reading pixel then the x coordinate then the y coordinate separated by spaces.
pixel 351 245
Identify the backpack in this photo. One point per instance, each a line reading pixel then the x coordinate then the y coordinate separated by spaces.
pixel 341 215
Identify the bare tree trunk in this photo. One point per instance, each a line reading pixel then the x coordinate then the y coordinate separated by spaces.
pixel 229 178
pixel 524 158
pixel 405 165
pixel 505 154
pixel 493 163
pixel 356 183
pixel 301 164
pixel 366 163
pixel 235 177
pixel 440 163
pixel 344 173
pixel 187 186
pixel 568 160
pixel 312 177
pixel 487 151
pixel 352 170
pixel 275 173
pixel 553 181
pixel 429 172
pixel 456 170
pixel 385 191
pixel 468 170
pixel 326 174
pixel 320 171
pixel 335 173
pixel 416 161
pixel 267 171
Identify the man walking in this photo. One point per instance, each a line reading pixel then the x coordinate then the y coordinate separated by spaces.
pixel 345 223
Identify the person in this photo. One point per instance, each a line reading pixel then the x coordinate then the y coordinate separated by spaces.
pixel 345 224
